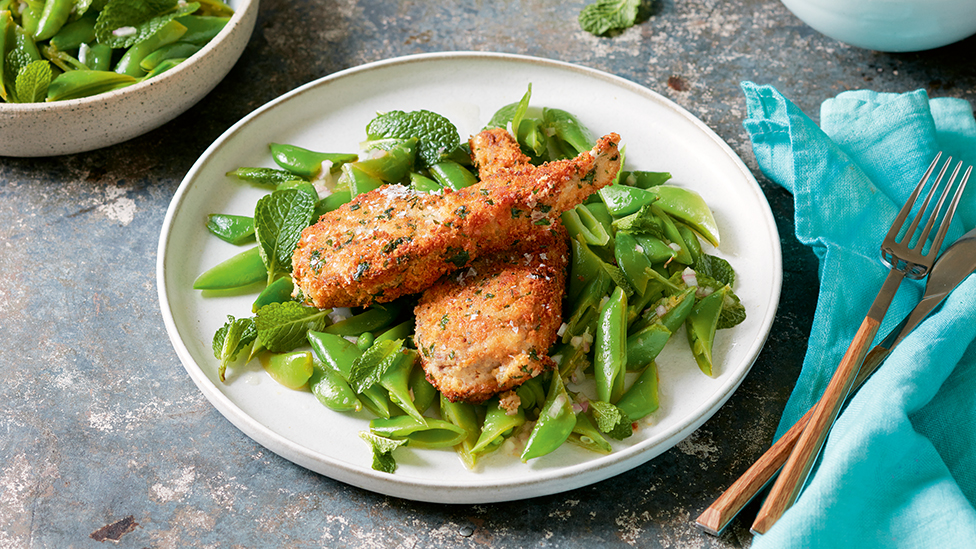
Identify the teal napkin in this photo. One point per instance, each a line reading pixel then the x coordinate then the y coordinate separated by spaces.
pixel 899 467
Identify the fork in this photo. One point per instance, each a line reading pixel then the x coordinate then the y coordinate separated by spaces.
pixel 908 257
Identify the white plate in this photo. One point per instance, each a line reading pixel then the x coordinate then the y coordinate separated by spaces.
pixel 331 115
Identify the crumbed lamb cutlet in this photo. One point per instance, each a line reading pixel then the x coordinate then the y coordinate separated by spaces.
pixel 394 241
pixel 487 329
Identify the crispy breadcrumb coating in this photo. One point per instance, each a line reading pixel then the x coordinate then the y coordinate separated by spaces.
pixel 488 328
pixel 394 241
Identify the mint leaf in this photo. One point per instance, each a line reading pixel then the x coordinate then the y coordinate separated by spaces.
pixel 437 136
pixel 279 219
pixel 122 23
pixel 32 82
pixel 716 268
pixel 611 420
pixel 281 327
pixel 733 313
pixel 604 16
pixel 372 364
pixel 382 451
pixel 232 338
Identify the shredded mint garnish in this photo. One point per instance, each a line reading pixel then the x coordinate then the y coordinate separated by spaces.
pixel 382 451
pixel 143 17
pixel 281 327
pixel 611 420
pixel 279 219
pixel 604 16
pixel 232 338
pixel 437 136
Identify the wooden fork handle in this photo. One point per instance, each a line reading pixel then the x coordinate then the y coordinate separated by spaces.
pixel 718 515
pixel 790 481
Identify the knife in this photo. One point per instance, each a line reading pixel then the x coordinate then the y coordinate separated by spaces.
pixel 955 264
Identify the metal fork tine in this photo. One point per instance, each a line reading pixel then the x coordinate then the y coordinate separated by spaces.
pixel 950 212
pixel 925 205
pixel 899 221
pixel 923 238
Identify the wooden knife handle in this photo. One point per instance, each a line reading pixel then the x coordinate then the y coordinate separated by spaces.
pixel 790 481
pixel 718 515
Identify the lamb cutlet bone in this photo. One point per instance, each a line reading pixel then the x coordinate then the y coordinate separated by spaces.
pixel 394 241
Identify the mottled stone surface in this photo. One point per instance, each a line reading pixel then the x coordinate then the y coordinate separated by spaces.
pixel 103 436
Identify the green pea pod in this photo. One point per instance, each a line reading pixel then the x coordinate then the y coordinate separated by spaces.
pixel 580 222
pixel 610 361
pixel 201 29
pixel 434 433
pixel 265 177
pixel 644 346
pixel 240 270
pixel 292 370
pixel 464 416
pixel 691 242
pixel 329 203
pixel 424 184
pixel 555 424
pixel 424 393
pixel 215 8
pixel 585 266
pixel 637 305
pixel 393 164
pixel 167 34
pixel 531 394
pixel 586 435
pixel 452 175
pixel 645 180
pixel 332 390
pixel 235 229
pixel 97 57
pixel 162 67
pixel 600 213
pixel 62 60
pixel 336 352
pixel 278 291
pixel 497 425
pixel 372 319
pixel 632 261
pixel 175 51
pixel 641 397
pixel 656 250
pixel 681 254
pixel 622 200
pixel 532 136
pixel 403 330
pixel 76 84
pixel 701 326
pixel 396 380
pixel 677 308
pixel 570 358
pixel 31 17
pixel 357 180
pixel 305 162
pixel 586 304
pixel 53 17
pixel 569 130
pixel 339 353
pixel 689 207
pixel 72 35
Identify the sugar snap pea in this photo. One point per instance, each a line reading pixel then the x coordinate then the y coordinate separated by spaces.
pixel 396 380
pixel 97 57
pixel 332 390
pixel 130 62
pixel 177 51
pixel 587 435
pixel 452 175
pixel 277 292
pixel 236 229
pixel 555 423
pixel 307 163
pixel 433 433
pixel 610 362
pixel 644 345
pixel 498 424
pixel 641 398
pixel 292 370
pixel 201 29
pixel 265 177
pixel 701 324
pixel 464 416
pixel 72 35
pixel 424 184
pixel 391 164
pixel 53 17
pixel 373 318
pixel 240 270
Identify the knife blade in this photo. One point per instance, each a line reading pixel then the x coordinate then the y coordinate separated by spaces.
pixel 955 264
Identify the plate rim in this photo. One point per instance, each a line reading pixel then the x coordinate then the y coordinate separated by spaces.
pixel 576 475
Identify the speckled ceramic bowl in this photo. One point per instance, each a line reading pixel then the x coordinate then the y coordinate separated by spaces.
pixel 78 125
pixel 889 25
